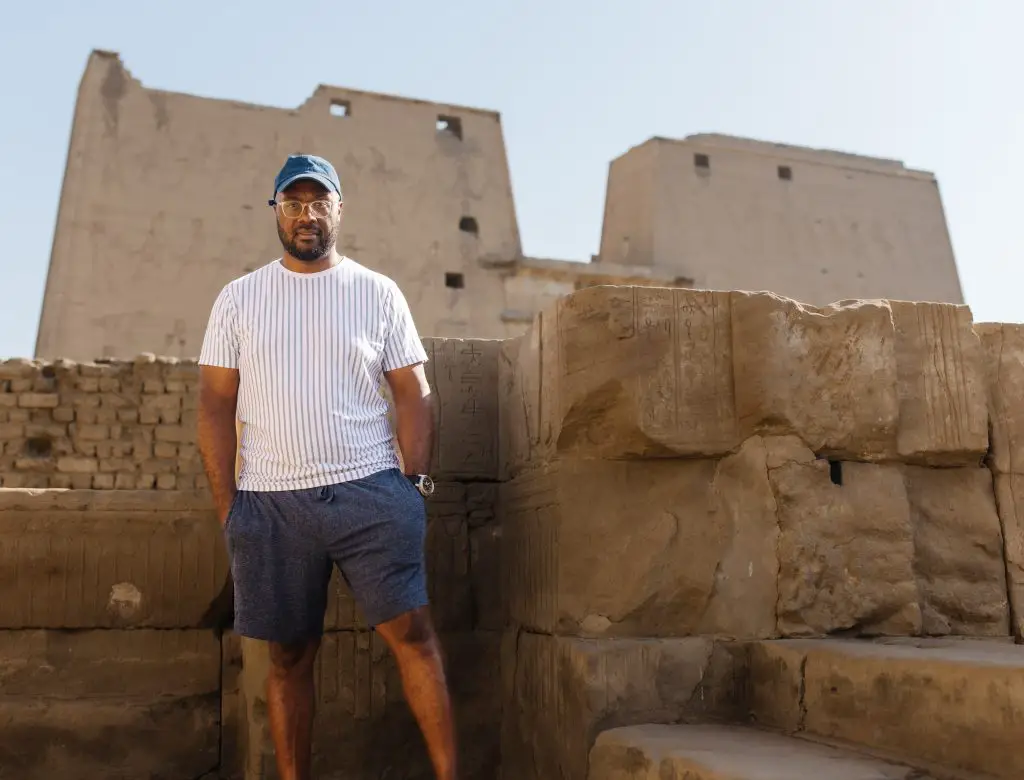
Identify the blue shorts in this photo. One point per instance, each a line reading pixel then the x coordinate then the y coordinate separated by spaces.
pixel 282 546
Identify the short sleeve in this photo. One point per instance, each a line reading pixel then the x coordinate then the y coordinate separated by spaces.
pixel 220 344
pixel 402 346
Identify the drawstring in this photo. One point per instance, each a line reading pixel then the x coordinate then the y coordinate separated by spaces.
pixel 325 493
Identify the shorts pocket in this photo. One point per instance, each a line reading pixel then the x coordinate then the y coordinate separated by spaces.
pixel 228 521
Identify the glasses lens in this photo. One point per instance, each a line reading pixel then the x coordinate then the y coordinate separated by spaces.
pixel 291 208
pixel 320 208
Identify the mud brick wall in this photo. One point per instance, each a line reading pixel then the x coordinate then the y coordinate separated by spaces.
pixel 682 466
pixel 131 425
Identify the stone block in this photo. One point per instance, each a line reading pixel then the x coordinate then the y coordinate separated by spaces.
pixel 846 551
pixel 18 368
pixel 108 559
pixel 485 567
pixel 38 400
pixel 774 685
pixel 643 548
pixel 712 752
pixel 941 385
pixel 463 375
pixel 78 465
pixel 1010 501
pixel 959 561
pixel 827 375
pixel 560 692
pixel 632 372
pixel 363 726
pixel 1003 348
pixel 955 703
pixel 114 704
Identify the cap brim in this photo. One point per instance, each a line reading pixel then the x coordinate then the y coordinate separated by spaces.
pixel 320 179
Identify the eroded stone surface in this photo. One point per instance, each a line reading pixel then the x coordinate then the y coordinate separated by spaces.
pixel 691 545
pixel 1010 500
pixel 956 703
pixel 1003 346
pixel 137 703
pixel 958 558
pixel 827 375
pixel 110 559
pixel 941 385
pixel 560 691
pixel 621 372
pixel 701 752
pixel 846 551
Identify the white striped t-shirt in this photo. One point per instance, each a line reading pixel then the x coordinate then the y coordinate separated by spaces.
pixel 311 350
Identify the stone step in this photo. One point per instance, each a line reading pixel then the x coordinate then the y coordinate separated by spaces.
pixel 701 752
pixel 954 703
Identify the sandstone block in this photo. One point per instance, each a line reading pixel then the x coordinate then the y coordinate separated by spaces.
pixel 12 430
pixel 961 571
pixel 846 551
pixel 109 703
pixel 704 752
pixel 18 368
pixel 463 374
pixel 38 400
pixel 955 703
pixel 560 691
pixel 621 372
pixel 363 726
pixel 108 559
pixel 941 385
pixel 630 548
pixel 174 433
pixel 1010 500
pixel 485 568
pixel 827 375
pixel 90 432
pixel 1003 347
pixel 103 482
pixel 79 465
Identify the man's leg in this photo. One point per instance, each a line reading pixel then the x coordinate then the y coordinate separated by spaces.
pixel 417 650
pixel 379 546
pixel 281 571
pixel 291 701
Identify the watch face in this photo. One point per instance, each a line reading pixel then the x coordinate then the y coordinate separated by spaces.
pixel 426 484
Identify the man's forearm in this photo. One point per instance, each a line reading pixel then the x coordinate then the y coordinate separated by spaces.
pixel 415 430
pixel 218 444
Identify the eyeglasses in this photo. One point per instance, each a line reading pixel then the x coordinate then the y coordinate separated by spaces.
pixel 293 209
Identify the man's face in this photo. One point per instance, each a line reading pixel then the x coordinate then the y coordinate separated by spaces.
pixel 309 234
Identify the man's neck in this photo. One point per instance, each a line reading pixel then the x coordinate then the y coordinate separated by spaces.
pixel 306 267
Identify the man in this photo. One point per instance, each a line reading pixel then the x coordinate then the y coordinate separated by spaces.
pixel 298 350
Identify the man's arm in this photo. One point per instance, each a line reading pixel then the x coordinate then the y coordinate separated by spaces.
pixel 218 442
pixel 415 416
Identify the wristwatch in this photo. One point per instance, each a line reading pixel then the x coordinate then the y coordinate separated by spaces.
pixel 422 483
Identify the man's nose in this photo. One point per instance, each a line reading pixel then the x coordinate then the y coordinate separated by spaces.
pixel 306 215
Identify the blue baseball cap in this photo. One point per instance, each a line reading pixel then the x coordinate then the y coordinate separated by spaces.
pixel 307 166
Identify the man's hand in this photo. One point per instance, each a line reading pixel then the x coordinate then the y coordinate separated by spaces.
pixel 414 410
pixel 218 439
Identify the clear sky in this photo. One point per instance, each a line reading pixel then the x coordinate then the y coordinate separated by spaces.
pixel 935 83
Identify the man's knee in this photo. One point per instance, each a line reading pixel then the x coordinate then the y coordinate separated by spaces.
pixel 293 658
pixel 412 631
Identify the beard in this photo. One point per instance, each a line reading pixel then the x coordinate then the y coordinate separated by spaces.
pixel 317 250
